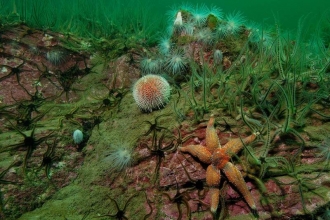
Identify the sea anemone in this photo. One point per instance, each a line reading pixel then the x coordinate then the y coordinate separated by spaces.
pixel 205 36
pixel 151 92
pixel 199 15
pixel 172 14
pixel 262 38
pixel 212 22
pixel 187 7
pixel 258 34
pixel 176 62
pixel 78 136
pixel 217 57
pixel 178 19
pixel 120 157
pixel 176 23
pixel 232 26
pixel 215 11
pixel 188 28
pixel 165 45
pixel 56 57
pixel 151 65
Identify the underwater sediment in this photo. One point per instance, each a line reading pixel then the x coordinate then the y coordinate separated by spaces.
pixel 255 82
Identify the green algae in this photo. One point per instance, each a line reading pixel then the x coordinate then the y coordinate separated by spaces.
pixel 211 22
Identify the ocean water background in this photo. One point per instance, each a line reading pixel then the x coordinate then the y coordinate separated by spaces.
pixel 288 12
pixel 150 16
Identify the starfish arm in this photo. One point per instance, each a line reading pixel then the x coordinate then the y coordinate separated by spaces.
pixel 215 197
pixel 235 145
pixel 213 180
pixel 235 177
pixel 212 176
pixel 211 137
pixel 199 151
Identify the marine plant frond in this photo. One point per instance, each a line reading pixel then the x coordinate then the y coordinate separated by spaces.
pixel 254 125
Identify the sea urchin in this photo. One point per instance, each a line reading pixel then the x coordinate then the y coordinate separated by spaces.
pixel 151 92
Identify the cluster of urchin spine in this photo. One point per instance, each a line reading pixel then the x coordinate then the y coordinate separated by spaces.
pixel 151 92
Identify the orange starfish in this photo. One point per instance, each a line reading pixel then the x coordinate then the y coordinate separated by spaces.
pixel 218 157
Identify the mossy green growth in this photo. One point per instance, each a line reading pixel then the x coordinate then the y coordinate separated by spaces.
pixel 183 40
pixel 186 15
pixel 212 21
pixel 111 48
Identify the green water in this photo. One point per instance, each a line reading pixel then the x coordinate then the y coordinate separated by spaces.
pixel 288 12
pixel 67 16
